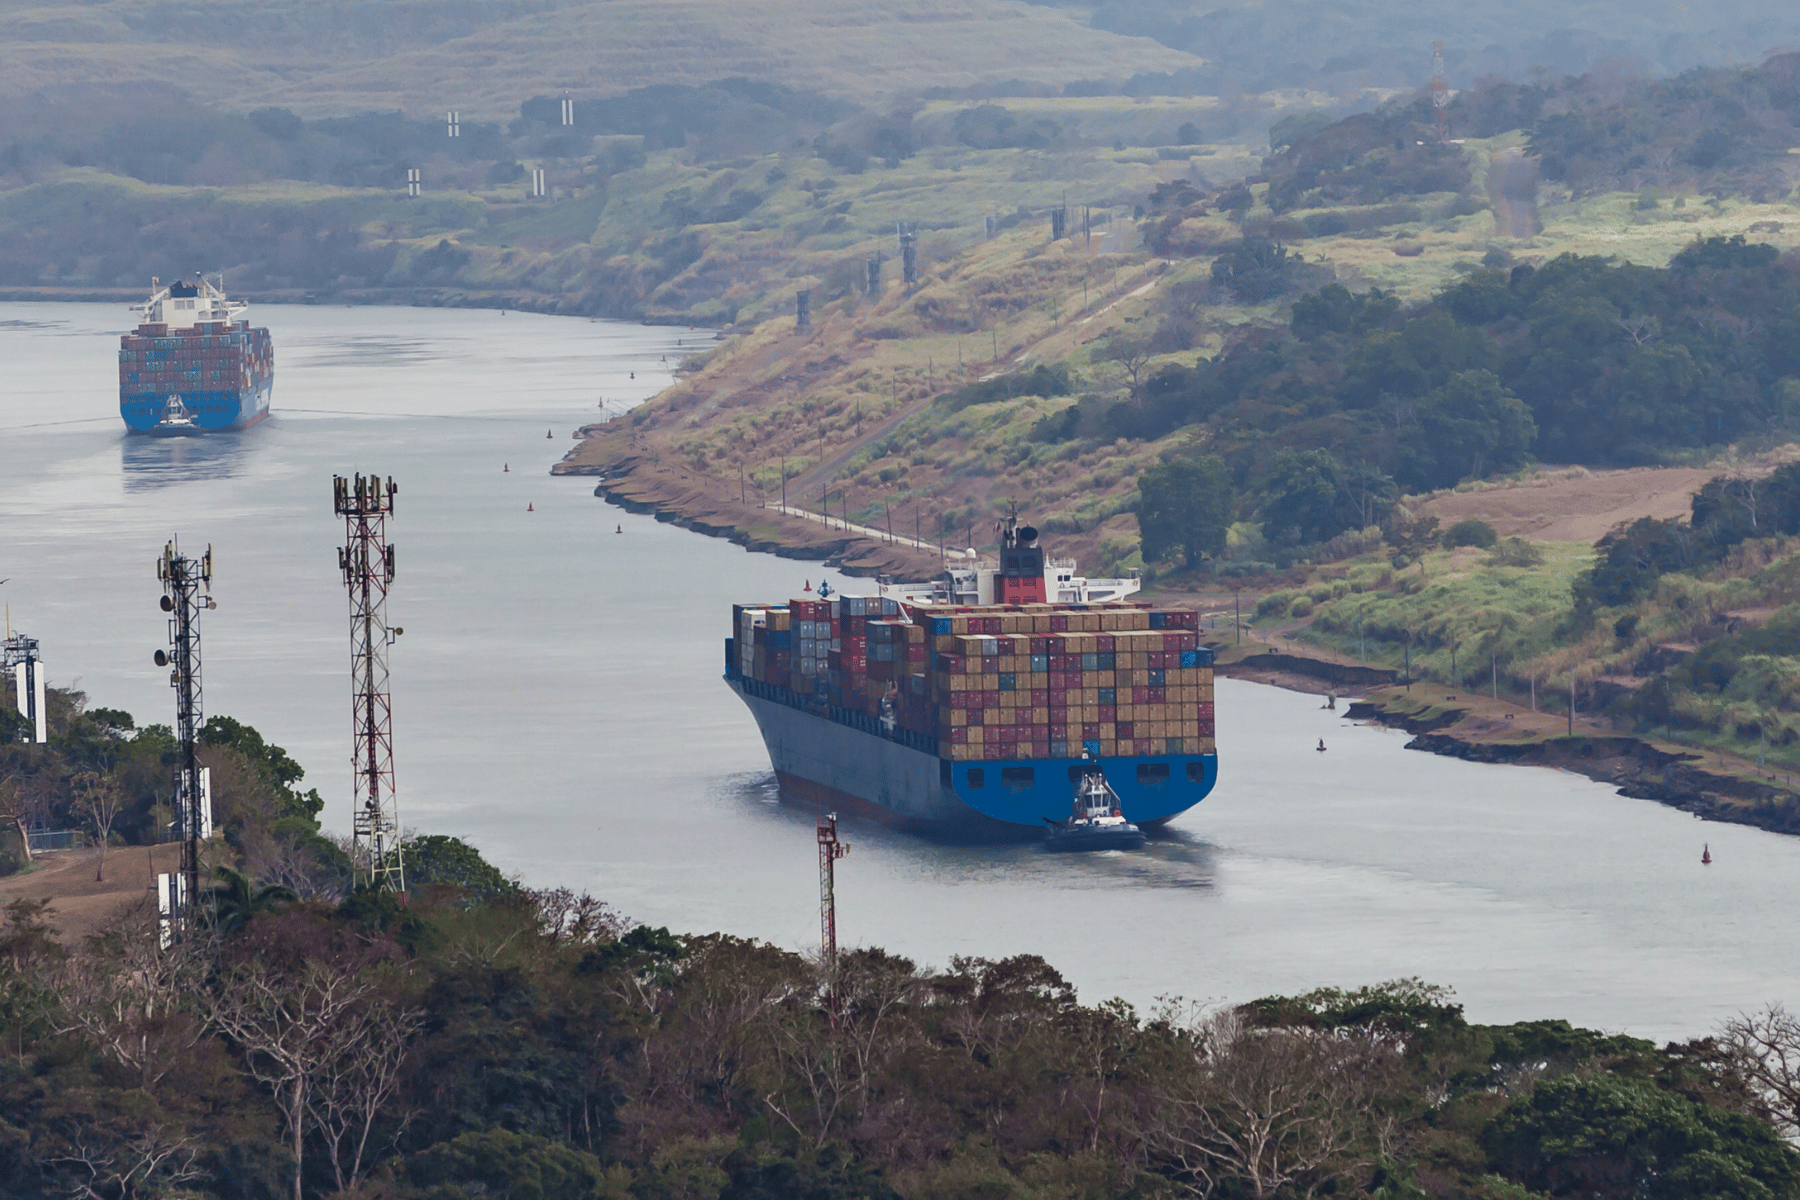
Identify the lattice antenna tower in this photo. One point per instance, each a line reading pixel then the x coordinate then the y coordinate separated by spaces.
pixel 830 850
pixel 367 562
pixel 187 592
pixel 1440 92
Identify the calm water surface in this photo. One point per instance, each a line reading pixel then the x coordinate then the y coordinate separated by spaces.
pixel 557 701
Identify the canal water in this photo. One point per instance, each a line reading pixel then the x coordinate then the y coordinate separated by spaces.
pixel 557 702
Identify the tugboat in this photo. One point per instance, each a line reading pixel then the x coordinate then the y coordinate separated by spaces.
pixel 1094 821
pixel 176 420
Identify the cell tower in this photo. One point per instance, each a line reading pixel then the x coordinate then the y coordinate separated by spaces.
pixel 1440 92
pixel 803 309
pixel 453 121
pixel 872 283
pixel 909 254
pixel 367 562
pixel 187 592
pixel 412 181
pixel 830 850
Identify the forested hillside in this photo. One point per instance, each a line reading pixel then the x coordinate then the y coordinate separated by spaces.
pixel 485 1039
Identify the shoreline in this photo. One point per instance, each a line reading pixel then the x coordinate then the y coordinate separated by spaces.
pixel 758 530
pixel 1483 730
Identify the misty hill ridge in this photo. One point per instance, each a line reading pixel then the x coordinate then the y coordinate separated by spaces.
pixel 489 58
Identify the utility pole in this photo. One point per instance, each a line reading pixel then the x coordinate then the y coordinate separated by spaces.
pixel 187 587
pixel 1571 703
pixel 366 561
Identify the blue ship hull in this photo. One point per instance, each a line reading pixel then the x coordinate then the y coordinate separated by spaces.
pixel 213 411
pixel 844 761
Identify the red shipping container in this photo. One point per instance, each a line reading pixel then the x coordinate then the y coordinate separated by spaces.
pixel 1090 731
pixel 1206 710
pixel 1040 698
pixel 1059 623
pixel 1140 695
pixel 1204 729
pixel 1040 645
pixel 1104 643
pixel 1108 712
pixel 1157 695
pixel 1126 729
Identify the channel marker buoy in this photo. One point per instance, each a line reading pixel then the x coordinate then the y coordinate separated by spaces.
pixel 1706 855
pixel 528 507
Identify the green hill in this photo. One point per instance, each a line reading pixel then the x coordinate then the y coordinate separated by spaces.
pixel 483 59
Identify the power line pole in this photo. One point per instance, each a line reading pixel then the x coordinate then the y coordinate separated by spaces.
pixel 367 562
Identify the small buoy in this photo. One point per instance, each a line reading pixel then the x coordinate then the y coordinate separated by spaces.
pixel 634 374
pixel 1321 745
pixel 808 586
pixel 506 468
pixel 528 507
pixel 1706 855
pixel 618 529
pixel 548 434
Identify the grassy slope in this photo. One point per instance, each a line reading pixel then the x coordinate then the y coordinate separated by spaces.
pixel 487 60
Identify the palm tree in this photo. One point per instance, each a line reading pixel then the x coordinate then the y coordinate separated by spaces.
pixel 235 900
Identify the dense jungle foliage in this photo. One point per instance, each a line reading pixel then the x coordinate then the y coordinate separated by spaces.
pixel 534 1045
pixel 485 1039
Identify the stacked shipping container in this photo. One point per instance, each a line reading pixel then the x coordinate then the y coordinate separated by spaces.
pixel 1016 682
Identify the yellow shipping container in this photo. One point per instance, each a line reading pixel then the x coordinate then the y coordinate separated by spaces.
pixel 1040 680
pixel 959 717
pixel 989 683
pixel 779 620
pixel 1108 748
pixel 1040 716
pixel 976 733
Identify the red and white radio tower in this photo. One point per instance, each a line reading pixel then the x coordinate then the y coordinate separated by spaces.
pixel 1440 92
pixel 367 562
pixel 830 850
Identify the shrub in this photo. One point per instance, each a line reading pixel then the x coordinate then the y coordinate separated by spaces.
pixel 1471 533
pixel 1302 607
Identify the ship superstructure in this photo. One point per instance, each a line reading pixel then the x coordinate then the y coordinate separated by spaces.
pixel 194 364
pixel 926 713
pixel 1021 573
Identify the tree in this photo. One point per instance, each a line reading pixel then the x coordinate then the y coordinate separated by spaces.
pixel 100 799
pixel 1185 505
pixel 292 1027
pixel 1305 498
pixel 1268 1110
pixel 1256 269
pixel 234 900
pixel 1133 354
pixel 437 859
pixel 1763 1049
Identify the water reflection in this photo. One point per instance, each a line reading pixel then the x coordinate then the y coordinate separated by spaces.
pixel 149 463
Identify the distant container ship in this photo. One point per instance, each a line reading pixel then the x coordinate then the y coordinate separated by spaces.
pixel 193 365
pixel 921 708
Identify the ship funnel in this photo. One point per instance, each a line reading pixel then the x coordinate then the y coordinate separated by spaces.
pixel 1028 535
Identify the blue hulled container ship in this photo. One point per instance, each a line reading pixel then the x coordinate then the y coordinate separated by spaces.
pixel 979 703
pixel 194 365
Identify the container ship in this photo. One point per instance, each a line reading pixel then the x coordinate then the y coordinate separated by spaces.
pixel 193 365
pixel 978 703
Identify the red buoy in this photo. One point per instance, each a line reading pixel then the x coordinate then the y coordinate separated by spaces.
pixel 808 586
pixel 528 507
pixel 1706 855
